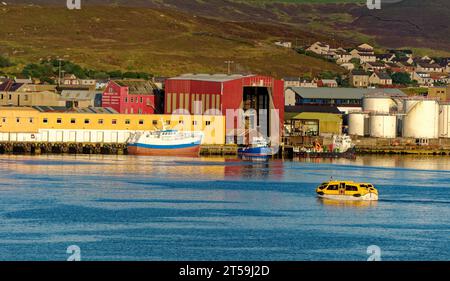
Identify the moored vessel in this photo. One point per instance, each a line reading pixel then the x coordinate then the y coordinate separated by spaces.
pixel 165 143
pixel 259 148
pixel 342 147
pixel 347 190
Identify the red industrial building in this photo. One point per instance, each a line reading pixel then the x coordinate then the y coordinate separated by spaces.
pixel 199 93
pixel 132 97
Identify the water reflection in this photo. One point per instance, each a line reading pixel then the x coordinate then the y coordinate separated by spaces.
pixel 347 204
pixel 422 162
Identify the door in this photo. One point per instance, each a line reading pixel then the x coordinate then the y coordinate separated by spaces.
pixel 342 188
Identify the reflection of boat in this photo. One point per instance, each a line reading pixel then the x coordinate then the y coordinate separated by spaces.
pixel 342 147
pixel 165 143
pixel 259 148
pixel 347 203
pixel 347 190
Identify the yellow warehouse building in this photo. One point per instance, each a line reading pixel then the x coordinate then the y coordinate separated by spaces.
pixel 25 124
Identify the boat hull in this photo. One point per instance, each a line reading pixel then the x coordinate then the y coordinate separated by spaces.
pixel 192 150
pixel 366 197
pixel 255 152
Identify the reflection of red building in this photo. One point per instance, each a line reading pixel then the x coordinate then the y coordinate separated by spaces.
pixel 201 93
pixel 131 96
pixel 272 170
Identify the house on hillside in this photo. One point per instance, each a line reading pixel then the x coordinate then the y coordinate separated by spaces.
pixel 359 79
pixel 284 44
pixel 330 83
pixel 385 57
pixel 319 48
pixel 422 78
pixel 429 67
pixel 342 56
pixel 380 78
pixel 374 66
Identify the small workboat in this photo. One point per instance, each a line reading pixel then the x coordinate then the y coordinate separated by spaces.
pixel 347 190
pixel 259 148
pixel 165 143
pixel 342 147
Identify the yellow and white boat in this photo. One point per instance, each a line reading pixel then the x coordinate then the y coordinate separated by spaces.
pixel 347 190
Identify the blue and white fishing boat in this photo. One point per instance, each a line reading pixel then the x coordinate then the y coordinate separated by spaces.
pixel 259 148
pixel 165 143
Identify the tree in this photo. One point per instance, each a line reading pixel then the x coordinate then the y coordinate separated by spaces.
pixel 401 78
pixel 356 62
pixel 5 62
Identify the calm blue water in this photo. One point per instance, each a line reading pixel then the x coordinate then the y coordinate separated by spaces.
pixel 138 208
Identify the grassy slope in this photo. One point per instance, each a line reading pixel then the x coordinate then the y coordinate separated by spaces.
pixel 156 41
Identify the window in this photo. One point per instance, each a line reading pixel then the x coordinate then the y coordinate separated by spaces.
pixel 87 121
pixel 31 120
pixel 194 123
pixel 72 121
pixel 9 97
pixel 181 122
pixel 127 121
pixel 351 188
pixel 148 102
pixel 1 96
pixel 26 97
pixel 45 120
pixel 132 99
pixel 154 122
pixel 208 123
pixel 141 122
pixel 100 121
pixel 4 119
pixel 333 187
pixel 142 100
pixel 126 99
pixel 59 120
pixel 167 122
pixel 114 121
pixel 17 120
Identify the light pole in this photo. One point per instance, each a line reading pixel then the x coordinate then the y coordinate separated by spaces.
pixel 229 63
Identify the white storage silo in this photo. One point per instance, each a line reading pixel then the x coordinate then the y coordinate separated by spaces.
pixel 421 119
pixel 379 104
pixel 357 123
pixel 444 120
pixel 383 126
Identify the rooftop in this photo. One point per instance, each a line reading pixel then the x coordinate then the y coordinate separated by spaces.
pixel 63 109
pixel 312 108
pixel 137 86
pixel 77 95
pixel 342 93
pixel 210 77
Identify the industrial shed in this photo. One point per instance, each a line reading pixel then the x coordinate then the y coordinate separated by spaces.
pixel 218 94
pixel 312 120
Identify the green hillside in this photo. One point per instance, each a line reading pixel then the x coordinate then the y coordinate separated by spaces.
pixel 157 41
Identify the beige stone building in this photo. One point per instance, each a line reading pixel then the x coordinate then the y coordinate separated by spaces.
pixel 441 93
pixel 380 78
pixel 359 79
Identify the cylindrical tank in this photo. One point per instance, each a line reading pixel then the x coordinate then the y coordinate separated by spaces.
pixel 422 119
pixel 378 104
pixel 444 121
pixel 356 123
pixel 383 126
